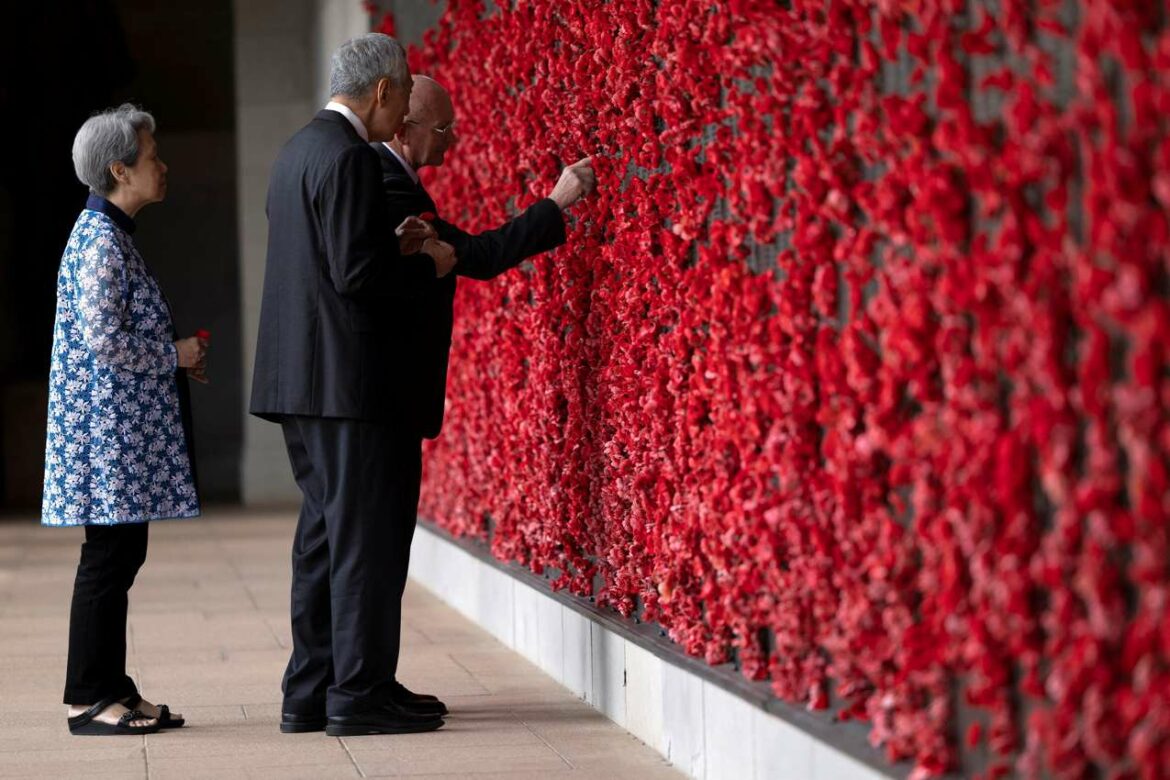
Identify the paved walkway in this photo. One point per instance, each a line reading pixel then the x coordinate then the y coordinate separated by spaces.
pixel 209 635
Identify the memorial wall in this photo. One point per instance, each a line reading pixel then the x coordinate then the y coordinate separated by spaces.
pixel 854 370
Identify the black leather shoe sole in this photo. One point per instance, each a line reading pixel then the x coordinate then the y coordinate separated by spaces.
pixel 300 724
pixel 353 726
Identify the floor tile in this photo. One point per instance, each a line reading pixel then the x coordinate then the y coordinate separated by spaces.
pixel 209 635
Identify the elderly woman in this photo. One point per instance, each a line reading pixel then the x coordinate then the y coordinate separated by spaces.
pixel 117 453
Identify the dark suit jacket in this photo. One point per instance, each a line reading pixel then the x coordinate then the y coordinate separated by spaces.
pixel 333 271
pixel 428 318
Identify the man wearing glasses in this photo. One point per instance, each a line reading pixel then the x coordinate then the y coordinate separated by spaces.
pixel 423 323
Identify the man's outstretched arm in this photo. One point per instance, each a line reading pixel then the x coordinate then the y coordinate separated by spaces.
pixel 488 254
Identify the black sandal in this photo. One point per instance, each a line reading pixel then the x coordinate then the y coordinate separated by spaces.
pixel 165 721
pixel 85 725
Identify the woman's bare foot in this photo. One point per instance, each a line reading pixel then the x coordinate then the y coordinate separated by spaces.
pixel 112 713
pixel 152 711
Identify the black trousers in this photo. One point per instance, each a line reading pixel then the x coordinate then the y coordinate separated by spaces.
pixel 360 486
pixel 111 556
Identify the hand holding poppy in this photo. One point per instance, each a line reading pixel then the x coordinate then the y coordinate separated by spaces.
pixel 198 372
pixel 576 181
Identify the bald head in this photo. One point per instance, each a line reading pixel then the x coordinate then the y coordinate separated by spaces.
pixel 430 102
pixel 429 129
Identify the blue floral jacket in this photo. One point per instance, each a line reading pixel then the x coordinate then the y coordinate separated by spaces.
pixel 116 450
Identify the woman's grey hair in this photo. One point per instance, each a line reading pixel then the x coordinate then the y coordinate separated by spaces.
pixel 107 138
pixel 359 63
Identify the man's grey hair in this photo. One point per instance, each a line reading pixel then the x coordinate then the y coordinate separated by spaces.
pixel 107 138
pixel 359 63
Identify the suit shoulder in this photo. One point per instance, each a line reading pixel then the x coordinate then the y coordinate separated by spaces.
pixel 305 136
pixel 352 155
pixel 324 139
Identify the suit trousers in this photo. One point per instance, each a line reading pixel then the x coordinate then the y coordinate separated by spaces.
pixel 360 485
pixel 111 556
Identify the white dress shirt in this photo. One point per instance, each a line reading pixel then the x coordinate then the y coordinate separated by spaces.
pixel 409 168
pixel 351 116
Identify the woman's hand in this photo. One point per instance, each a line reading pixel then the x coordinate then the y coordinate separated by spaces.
pixel 412 233
pixel 193 357
pixel 199 372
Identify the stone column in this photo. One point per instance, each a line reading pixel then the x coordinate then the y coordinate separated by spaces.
pixel 275 83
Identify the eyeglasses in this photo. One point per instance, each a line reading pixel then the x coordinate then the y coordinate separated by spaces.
pixel 443 131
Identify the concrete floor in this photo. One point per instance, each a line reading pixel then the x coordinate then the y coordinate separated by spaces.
pixel 209 636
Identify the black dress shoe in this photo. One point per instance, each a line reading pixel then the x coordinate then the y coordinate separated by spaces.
pixel 387 719
pixel 294 723
pixel 434 708
pixel 418 702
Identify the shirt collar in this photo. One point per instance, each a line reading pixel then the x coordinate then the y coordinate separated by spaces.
pixel 351 116
pixel 120 218
pixel 410 171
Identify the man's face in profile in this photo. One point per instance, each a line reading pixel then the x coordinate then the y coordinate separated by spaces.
pixel 429 135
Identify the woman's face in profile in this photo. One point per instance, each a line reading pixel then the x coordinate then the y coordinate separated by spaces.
pixel 146 180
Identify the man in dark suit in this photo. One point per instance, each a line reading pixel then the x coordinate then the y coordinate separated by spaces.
pixel 424 138
pixel 324 370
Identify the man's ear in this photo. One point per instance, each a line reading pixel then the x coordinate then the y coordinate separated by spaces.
pixel 383 91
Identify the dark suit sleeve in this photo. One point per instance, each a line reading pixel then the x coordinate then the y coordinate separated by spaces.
pixel 487 255
pixel 362 250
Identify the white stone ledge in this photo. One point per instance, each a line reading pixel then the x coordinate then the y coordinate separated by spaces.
pixel 702 729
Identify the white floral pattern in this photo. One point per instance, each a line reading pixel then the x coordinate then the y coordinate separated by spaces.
pixel 115 449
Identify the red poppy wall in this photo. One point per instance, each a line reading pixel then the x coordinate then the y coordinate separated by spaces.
pixel 855 367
